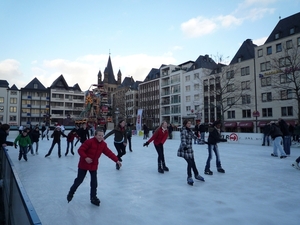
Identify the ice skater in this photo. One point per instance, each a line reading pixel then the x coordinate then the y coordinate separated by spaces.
pixel 186 151
pixel 90 152
pixel 159 138
pixel 296 163
pixel 57 133
pixel 35 138
pixel 120 140
pixel 129 135
pixel 276 135
pixel 83 134
pixel 70 141
pixel 214 138
pixel 24 141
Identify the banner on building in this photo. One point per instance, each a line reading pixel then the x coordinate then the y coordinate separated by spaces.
pixel 139 120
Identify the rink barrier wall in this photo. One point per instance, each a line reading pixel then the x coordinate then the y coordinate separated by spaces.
pixel 18 208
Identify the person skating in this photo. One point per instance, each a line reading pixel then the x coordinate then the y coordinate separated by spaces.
pixel 56 140
pixel 296 163
pixel 129 135
pixel 159 138
pixel 186 151
pixel 276 135
pixel 120 140
pixel 70 141
pixel 83 134
pixel 35 137
pixel 90 152
pixel 214 138
pixel 24 141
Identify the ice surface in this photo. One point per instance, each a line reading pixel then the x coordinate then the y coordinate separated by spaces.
pixel 256 188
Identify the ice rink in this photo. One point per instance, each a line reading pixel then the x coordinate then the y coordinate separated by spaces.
pixel 256 188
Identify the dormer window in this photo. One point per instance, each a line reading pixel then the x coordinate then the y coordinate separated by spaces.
pixel 276 36
pixel 35 86
pixel 292 30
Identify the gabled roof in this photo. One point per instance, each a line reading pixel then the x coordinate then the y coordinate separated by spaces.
pixel 127 82
pixel 60 82
pixel 4 84
pixel 203 62
pixel 153 74
pixel 245 52
pixel 284 26
pixel 109 73
pixel 75 87
pixel 14 87
pixel 35 81
pixel 136 85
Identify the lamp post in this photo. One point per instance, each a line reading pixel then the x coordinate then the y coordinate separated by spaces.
pixel 117 115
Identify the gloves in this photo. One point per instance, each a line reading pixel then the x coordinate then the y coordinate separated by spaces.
pixel 146 144
pixel 16 146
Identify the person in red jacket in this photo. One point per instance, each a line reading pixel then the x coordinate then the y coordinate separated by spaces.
pixel 159 138
pixel 90 152
pixel 70 141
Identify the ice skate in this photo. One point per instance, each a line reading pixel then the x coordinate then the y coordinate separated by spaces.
pixel 208 172
pixel 95 201
pixel 221 170
pixel 69 197
pixel 190 181
pixel 296 165
pixel 198 177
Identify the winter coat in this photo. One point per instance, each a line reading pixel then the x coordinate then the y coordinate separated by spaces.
pixel 202 128
pixel 275 131
pixel 185 149
pixel 22 140
pixel 297 129
pixel 128 132
pixel 214 136
pixel 159 137
pixel 3 136
pixel 120 134
pixel 71 136
pixel 93 149
pixel 56 135
pixel 35 135
pixel 267 129
pixel 284 128
pixel 197 129
pixel 83 134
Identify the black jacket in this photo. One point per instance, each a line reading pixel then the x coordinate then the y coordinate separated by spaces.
pixel 3 136
pixel 214 136
pixel 120 135
pixel 275 131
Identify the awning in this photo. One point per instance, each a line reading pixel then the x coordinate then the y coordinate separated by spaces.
pixel 246 124
pixel 292 122
pixel 229 124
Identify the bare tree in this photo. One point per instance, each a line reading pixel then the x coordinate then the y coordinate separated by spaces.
pixel 286 80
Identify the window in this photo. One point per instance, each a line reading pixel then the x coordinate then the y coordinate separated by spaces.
pixel 265 66
pixel 196 76
pixel 246 113
pixel 285 78
pixel 260 52
pixel 286 94
pixel 205 83
pixel 13 92
pixel 35 86
pixel 188 108
pixel 277 36
pixel 266 81
pixel 13 109
pixel 245 71
pixel 229 74
pixel 188 88
pixel 188 78
pixel 230 87
pixel 1 108
pixel 196 86
pixel 292 30
pixel 289 44
pixel 269 50
pixel 12 118
pixel 188 98
pixel 1 100
pixel 287 111
pixel 230 114
pixel 245 85
pixel 1 118
pixel 278 47
pixel 196 97
pixel 246 99
pixel 267 112
pixel 13 100
pixel 230 101
pixel 266 97
pixel 281 62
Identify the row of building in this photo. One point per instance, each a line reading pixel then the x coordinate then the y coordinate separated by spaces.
pixel 260 84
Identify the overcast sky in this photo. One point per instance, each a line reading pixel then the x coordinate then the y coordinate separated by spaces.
pixel 45 39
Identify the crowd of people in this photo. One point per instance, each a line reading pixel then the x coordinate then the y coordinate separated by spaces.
pixel 92 145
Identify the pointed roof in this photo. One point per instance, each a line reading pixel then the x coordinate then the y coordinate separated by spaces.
pixel 76 87
pixel 4 84
pixel 109 73
pixel 60 82
pixel 32 85
pixel 127 82
pixel 153 74
pixel 203 62
pixel 14 87
pixel 285 27
pixel 245 52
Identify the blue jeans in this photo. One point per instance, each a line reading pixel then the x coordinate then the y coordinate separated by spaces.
pixel 216 151
pixel 266 137
pixel 23 152
pixel 202 135
pixel 277 145
pixel 287 144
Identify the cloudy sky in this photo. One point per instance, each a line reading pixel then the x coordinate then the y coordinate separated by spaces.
pixel 45 39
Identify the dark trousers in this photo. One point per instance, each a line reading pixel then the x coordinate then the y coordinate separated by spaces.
pixel 160 151
pixel 23 152
pixel 287 144
pixel 70 143
pixel 129 142
pixel 80 177
pixel 191 165
pixel 52 146
pixel 212 148
pixel 121 149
